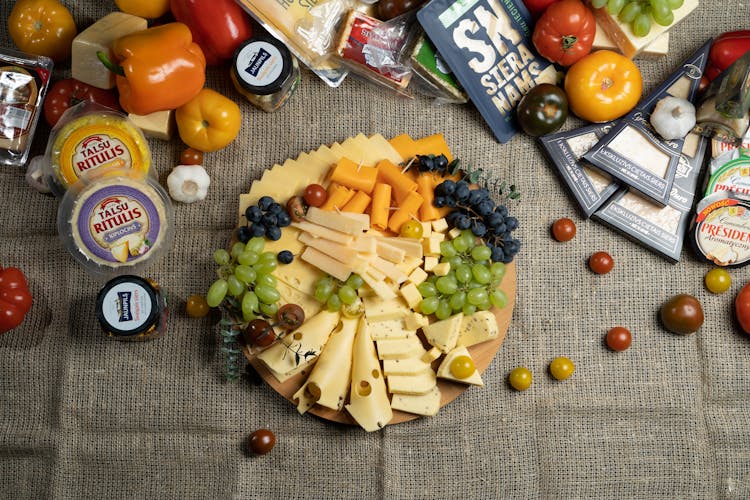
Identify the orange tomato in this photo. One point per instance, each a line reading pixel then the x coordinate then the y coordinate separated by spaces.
pixel 209 121
pixel 42 27
pixel 602 86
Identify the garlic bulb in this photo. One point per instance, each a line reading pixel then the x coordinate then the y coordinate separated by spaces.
pixel 188 183
pixel 673 117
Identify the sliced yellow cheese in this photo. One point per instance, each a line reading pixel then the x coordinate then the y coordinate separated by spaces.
pixel 281 359
pixel 382 149
pixel 364 244
pixel 409 366
pixel 442 269
pixel 338 222
pixel 439 225
pixel 290 295
pixel 299 275
pixel 323 232
pixel 412 247
pixel 444 334
pixel 431 246
pixel 342 253
pixel 393 329
pixel 389 252
pixel 409 347
pixel 431 355
pixel 288 241
pixel 419 383
pixel 444 370
pixel 330 378
pixel 368 398
pixel 381 289
pixel 327 264
pixel 415 321
pixel 659 47
pixel 392 272
pixel 379 309
pixel 476 328
pixel 409 265
pixel 427 404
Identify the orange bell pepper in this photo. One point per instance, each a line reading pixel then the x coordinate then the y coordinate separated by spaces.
pixel 42 27
pixel 161 68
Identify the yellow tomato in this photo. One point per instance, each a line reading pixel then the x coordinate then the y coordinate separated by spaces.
pixel 520 378
pixel 209 121
pixel 150 9
pixel 42 27
pixel 603 86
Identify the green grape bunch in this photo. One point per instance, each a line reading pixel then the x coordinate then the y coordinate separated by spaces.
pixel 639 13
pixel 338 295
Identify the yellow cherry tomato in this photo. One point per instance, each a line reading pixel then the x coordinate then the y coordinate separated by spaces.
pixel 602 86
pixel 209 121
pixel 412 229
pixel 150 9
pixel 718 280
pixel 42 27
pixel 462 367
pixel 520 378
pixel 561 368
pixel 196 306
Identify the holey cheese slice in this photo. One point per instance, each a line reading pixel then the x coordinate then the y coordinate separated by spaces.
pixel 368 398
pixel 280 358
pixel 331 376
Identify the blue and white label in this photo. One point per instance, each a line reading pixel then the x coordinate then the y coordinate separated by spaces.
pixel 127 306
pixel 259 64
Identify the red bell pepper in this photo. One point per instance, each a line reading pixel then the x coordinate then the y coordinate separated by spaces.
pixel 725 50
pixel 218 26
pixel 67 93
pixel 15 298
pixel 537 7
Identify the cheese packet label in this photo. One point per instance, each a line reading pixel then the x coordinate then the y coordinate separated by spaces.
pixel 661 229
pixel 487 44
pixel 590 186
pixel 634 153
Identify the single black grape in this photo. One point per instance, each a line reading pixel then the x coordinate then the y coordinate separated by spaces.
pixel 275 208
pixel 269 220
pixel 497 254
pixel 463 222
pixel 243 234
pixel 494 219
pixel 253 213
pixel 475 198
pixel 265 202
pixel 511 222
pixel 485 208
pixel 441 162
pixel 257 229
pixel 426 163
pixel 273 233
pixel 285 257
pixel 449 187
pixel 478 228
pixel 283 219
pixel 440 201
pixel 502 210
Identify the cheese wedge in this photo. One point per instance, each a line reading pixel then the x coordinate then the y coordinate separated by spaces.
pixel 427 404
pixel 280 358
pixel 478 327
pixel 330 378
pixel 444 370
pixel 157 125
pixel 444 334
pixel 368 398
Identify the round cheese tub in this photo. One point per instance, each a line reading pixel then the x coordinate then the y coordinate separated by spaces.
pixel 720 232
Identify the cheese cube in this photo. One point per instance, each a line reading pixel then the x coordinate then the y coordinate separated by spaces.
pixel 431 355
pixel 478 327
pixel 415 321
pixel 409 366
pixel 411 294
pixel 430 263
pixel 420 383
pixel 444 370
pixel 393 329
pixel 438 236
pixel 410 347
pixel 442 269
pixel 410 264
pixel 157 125
pixel 444 334
pixel 427 404
pixel 99 37
pixel 440 225
pixel 431 246
pixel 426 229
pixel 454 233
pixel 379 309
pixel 417 276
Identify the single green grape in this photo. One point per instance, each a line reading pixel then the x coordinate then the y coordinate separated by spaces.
pixel 484 305
pixel 269 310
pixel 322 292
pixel 256 245
pixel 249 305
pixel 663 16
pixel 247 258
pixel 267 257
pixel 237 249
pixel 267 280
pixel 429 305
pixel 447 285
pixel 333 303
pixel 460 244
pixel 469 309
pixel 216 292
pixel 347 295
pixel 245 274
pixel 642 24
pixel 476 296
pixel 432 279
pixel 497 270
pixel 469 238
pixel 457 301
pixel 463 273
pixel 427 289
pixel 628 13
pixel 221 257
pixel 265 267
pixel 481 252
pixel 675 4
pixel 235 287
pixel 443 310
pixel 266 294
pixel 481 274
pixel 447 249
pixel 498 298
pixel 615 6
pixel 355 281
pixel 454 261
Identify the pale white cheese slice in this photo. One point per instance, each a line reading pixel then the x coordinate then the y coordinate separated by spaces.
pixel 419 383
pixel 426 404
pixel 478 327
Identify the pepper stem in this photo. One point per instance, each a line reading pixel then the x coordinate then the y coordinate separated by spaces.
pixel 568 41
pixel 114 68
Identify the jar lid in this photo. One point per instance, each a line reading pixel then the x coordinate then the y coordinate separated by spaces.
pixel 721 230
pixel 127 305
pixel 262 64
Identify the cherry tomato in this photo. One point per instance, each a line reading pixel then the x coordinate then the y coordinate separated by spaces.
pixel 261 441
pixel 411 229
pixel 290 316
pixel 561 368
pixel 682 314
pixel 564 229
pixel 601 263
pixel 15 298
pixel 296 209
pixel 315 195
pixel 196 306
pixel 462 367
pixel 619 338
pixel 520 378
pixel 718 280
pixel 259 333
pixel 742 308
pixel 191 157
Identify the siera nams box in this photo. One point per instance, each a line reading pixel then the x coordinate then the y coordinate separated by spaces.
pixel 633 153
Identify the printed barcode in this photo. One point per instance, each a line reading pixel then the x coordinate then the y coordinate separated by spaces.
pixel 12 117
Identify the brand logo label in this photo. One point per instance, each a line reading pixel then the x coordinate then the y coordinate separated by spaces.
pixel 123 299
pixel 256 63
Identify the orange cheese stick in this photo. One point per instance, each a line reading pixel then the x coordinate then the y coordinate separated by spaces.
pixel 406 210
pixel 400 183
pixel 381 203
pixel 358 203
pixel 433 144
pixel 426 183
pixel 337 198
pixel 352 175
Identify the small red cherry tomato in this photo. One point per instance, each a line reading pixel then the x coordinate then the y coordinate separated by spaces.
pixel 619 338
pixel 315 195
pixel 261 441
pixel 564 229
pixel 191 157
pixel 601 263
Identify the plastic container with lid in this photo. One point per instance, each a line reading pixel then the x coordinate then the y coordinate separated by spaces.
pixel 90 137
pixel 132 308
pixel 733 176
pixel 265 72
pixel 116 222
pixel 721 229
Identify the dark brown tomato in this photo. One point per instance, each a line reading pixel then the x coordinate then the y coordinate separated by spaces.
pixel 543 110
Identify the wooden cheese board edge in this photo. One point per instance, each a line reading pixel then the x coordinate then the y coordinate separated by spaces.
pixel 483 354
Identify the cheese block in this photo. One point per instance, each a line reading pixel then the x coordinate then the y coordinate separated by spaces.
pixel 409 366
pixel 431 246
pixel 478 327
pixel 393 329
pixel 442 269
pixel 431 355
pixel 327 264
pixel 368 399
pixel 344 223
pixel 409 347
pixel 426 229
pixel 340 252
pixel 157 125
pixel 330 378
pixel 379 309
pixel 430 262
pixel 658 48
pixel 444 370
pixel 280 358
pixel 389 252
pixel 392 272
pixel 622 34
pixel 440 225
pixel 415 321
pixel 364 244
pixel 409 265
pixel 323 232
pixel 417 276
pixel 84 64
pixel 444 334
pixel 419 383
pixel 381 289
pixel 411 295
pixel 427 404
pixel 412 247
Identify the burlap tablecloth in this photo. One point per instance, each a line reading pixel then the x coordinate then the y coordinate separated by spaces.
pixel 82 416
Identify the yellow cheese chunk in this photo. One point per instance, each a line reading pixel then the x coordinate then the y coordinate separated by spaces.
pixel 354 176
pixel 327 264
pixel 444 334
pixel 427 404
pixel 393 329
pixel 381 203
pixel 417 276
pixel 157 125
pixel 431 355
pixel 430 262
pixel 392 272
pixel 412 247
pixel 426 227
pixel 409 347
pixel 378 285
pixel 440 225
pixel 343 223
pixel 444 370
pixel 415 321
pixel 659 47
pixel 420 383
pixel 476 328
pixel 411 295
pixel 364 244
pixel 379 309
pixel 358 204
pixel 431 246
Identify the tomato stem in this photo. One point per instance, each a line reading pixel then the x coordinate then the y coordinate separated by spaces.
pixel 607 83
pixel 568 41
pixel 114 68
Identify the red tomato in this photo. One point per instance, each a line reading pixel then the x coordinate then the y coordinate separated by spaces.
pixel 191 156
pixel 315 195
pixel 601 263
pixel 69 92
pixel 726 49
pixel 15 298
pixel 742 308
pixel 536 7
pixel 619 338
pixel 564 229
pixel 565 32
pixel 261 441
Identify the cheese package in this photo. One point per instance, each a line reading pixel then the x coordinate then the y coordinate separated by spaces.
pixel 477 39
pixel 427 404
pixel 85 65
pixel 444 370
pixel 721 229
pixel 633 152
pixel 444 334
pixel 436 76
pixel 476 328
